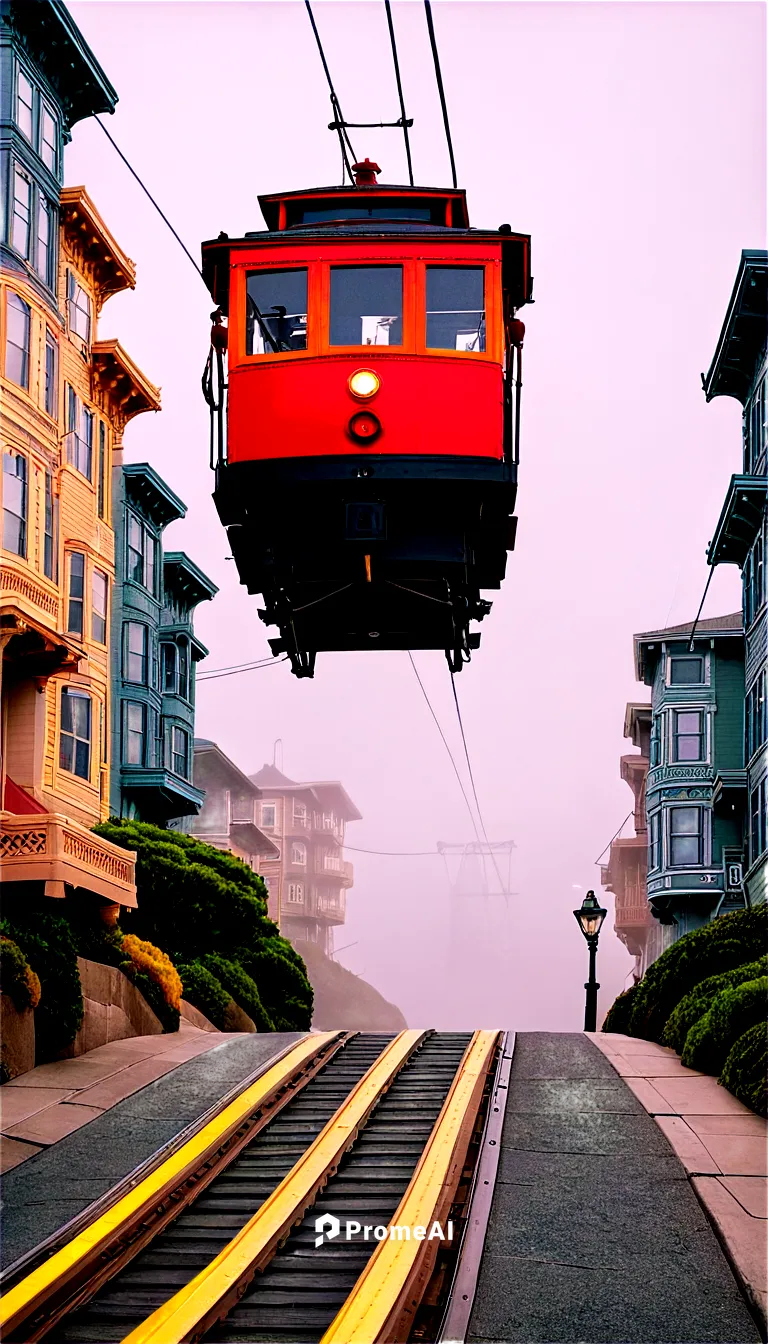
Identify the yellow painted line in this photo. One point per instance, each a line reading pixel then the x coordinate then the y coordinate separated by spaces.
pixel 369 1306
pixel 196 1306
pixel 25 1296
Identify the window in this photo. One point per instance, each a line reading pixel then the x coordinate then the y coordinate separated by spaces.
pixel 654 836
pixel 50 567
pixel 299 853
pixel 79 435
pixel 22 213
pixel 758 820
pixel 456 308
pixel 76 605
pixel 24 104
pixel 242 807
pixel 75 738
pixel 134 742
pixel 296 893
pixel 183 669
pixel 366 305
pixel 169 668
pixel 299 813
pixel 686 837
pixel 51 374
pixel 276 312
pixel 757 432
pixel 43 259
pixel 17 340
pixel 78 308
pixel 15 503
pixel 756 717
pixel 141 553
pixel 136 653
pixel 99 589
pixel 179 752
pixel 101 487
pixel 686 671
pixel 754 580
pixel 688 735
pixel 268 816
pixel 655 745
pixel 49 140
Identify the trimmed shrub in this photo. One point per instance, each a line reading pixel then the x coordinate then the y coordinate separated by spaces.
pixel 242 987
pixel 733 1012
pixel 729 941
pixel 17 979
pixel 47 944
pixel 283 987
pixel 155 976
pixel 700 999
pixel 745 1072
pixel 618 1015
pixel 206 993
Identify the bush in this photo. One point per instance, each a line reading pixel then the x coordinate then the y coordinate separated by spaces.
pixel 17 979
pixel 733 1012
pixel 242 987
pixel 620 1011
pixel 729 941
pixel 283 986
pixel 206 993
pixel 47 944
pixel 700 999
pixel 745 1072
pixel 155 976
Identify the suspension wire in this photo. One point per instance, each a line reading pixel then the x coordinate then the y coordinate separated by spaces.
pixel 390 24
pixel 440 89
pixel 398 853
pixel 613 837
pixel 472 782
pixel 147 193
pixel 249 667
pixel 335 104
pixel 447 748
pixel 701 608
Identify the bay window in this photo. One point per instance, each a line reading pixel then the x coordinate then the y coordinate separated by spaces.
pixel 688 735
pixel 136 660
pixel 99 589
pixel 75 736
pixel 15 503
pixel 76 603
pixel 686 836
pixel 17 324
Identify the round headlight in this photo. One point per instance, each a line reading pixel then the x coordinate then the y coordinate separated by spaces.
pixel 364 383
pixel 364 427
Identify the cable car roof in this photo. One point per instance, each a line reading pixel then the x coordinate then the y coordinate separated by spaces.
pixel 283 210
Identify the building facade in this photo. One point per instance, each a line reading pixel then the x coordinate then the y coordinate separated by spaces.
pixel 309 879
pixel 696 752
pixel 66 397
pixel 154 654
pixel 227 818
pixel 739 369
pixel 626 872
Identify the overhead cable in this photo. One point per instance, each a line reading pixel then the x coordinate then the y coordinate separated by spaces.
pixel 447 748
pixel 701 608
pixel 472 780
pixel 344 140
pixel 403 117
pixel 398 853
pixel 440 89
pixel 235 671
pixel 613 837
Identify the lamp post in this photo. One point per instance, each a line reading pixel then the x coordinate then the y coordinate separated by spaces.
pixel 590 919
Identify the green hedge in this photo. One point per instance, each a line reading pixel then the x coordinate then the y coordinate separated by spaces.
pixel 700 999
pixel 283 986
pixel 745 1072
pixel 242 987
pixel 618 1016
pixel 733 1012
pixel 46 941
pixel 729 941
pixel 205 992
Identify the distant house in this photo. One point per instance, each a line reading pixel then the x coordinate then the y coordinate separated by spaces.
pixel 308 882
pixel 230 811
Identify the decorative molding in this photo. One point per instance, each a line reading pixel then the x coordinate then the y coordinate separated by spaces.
pixel 14 582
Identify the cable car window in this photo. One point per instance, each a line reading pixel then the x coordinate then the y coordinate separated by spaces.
pixel 276 312
pixel 343 211
pixel 455 308
pixel 366 305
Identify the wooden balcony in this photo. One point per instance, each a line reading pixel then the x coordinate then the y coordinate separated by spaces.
pixel 47 847
pixel 331 866
pixel 632 908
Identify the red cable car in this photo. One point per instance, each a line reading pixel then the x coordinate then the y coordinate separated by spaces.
pixel 365 442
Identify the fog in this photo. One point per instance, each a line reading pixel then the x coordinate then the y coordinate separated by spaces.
pixel 629 141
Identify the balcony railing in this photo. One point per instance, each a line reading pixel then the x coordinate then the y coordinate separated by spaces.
pixel 47 847
pixel 632 906
pixel 331 865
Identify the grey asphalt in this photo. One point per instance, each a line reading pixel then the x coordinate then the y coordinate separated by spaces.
pixel 49 1189
pixel 595 1233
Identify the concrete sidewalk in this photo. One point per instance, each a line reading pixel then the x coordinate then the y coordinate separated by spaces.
pixel 721 1144
pixel 47 1103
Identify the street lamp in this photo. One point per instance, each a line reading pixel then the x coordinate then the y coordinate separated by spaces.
pixel 590 919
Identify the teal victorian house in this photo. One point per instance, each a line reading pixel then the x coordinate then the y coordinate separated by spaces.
pixel 155 653
pixel 696 754
pixel 739 369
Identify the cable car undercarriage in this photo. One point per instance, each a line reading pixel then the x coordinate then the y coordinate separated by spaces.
pixel 364 552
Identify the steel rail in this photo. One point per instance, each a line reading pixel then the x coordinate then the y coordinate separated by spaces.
pixel 461 1298
pixel 215 1290
pixel 101 1248
pixel 382 1304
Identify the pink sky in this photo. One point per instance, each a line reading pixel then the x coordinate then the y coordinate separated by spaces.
pixel 629 140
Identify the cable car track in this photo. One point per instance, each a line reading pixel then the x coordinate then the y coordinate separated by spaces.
pixel 235 1257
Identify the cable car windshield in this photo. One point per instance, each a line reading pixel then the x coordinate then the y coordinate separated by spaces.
pixel 276 312
pixel 366 305
pixel 455 308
